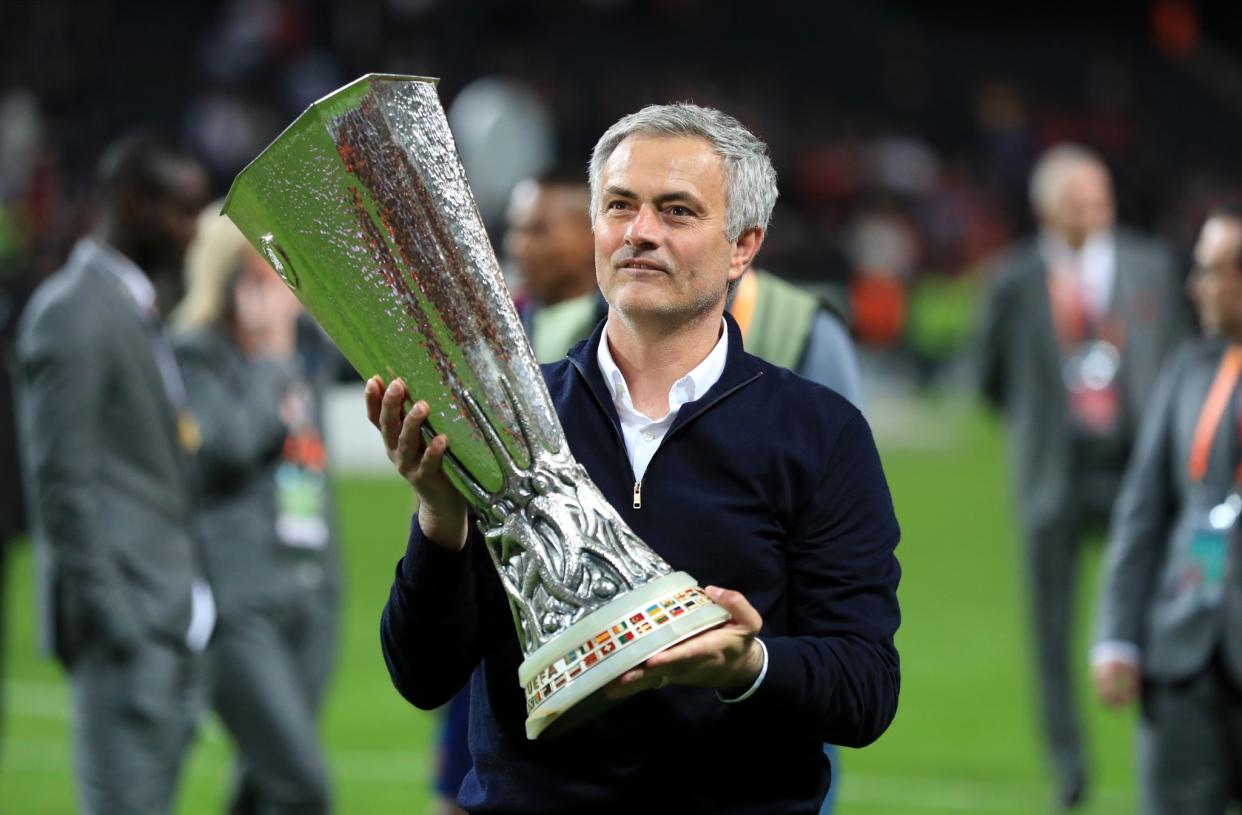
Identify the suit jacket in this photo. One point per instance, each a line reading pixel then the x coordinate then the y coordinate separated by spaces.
pixel 110 488
pixel 1160 507
pixel 237 404
pixel 1018 362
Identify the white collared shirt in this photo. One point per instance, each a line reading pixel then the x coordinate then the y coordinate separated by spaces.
pixel 1093 264
pixel 641 433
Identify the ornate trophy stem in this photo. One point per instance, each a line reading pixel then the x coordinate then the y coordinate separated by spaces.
pixel 362 207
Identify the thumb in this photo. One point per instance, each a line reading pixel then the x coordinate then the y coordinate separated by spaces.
pixel 739 608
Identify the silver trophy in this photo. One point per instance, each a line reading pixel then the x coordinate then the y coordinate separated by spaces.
pixel 362 206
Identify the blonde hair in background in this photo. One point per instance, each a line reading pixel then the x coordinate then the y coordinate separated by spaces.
pixel 211 264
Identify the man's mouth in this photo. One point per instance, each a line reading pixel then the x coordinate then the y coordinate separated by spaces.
pixel 642 265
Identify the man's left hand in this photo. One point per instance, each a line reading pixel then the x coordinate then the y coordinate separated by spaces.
pixel 725 658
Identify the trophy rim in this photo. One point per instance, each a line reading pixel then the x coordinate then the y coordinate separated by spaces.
pixel 311 109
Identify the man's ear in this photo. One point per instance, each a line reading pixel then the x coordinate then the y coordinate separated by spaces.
pixel 744 250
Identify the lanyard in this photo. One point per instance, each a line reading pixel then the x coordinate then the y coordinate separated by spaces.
pixel 1213 409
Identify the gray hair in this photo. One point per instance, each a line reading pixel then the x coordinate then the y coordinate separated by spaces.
pixel 750 180
pixel 1051 169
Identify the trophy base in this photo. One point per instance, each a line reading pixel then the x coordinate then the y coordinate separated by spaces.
pixel 564 679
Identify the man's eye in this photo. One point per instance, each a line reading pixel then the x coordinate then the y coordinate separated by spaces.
pixel 679 211
pixel 615 205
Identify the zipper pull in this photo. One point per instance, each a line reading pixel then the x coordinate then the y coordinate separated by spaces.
pixel 638 495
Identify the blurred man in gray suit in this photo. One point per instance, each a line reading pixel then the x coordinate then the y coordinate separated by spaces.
pixel 105 446
pixel 1169 617
pixel 1073 334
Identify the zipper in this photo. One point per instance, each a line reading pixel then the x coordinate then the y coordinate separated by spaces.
pixel 638 485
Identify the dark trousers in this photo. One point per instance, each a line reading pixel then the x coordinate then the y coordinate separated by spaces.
pixel 1190 744
pixel 133 718
pixel 270 669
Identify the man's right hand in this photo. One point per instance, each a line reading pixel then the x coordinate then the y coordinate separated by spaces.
pixel 1116 681
pixel 441 508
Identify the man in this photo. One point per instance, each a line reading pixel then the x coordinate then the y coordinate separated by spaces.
pixel 1072 336
pixel 1169 615
pixel 549 240
pixel 105 445
pixel 750 477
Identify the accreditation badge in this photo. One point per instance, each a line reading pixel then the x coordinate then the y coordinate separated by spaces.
pixel 300 498
pixel 1090 374
pixel 1202 565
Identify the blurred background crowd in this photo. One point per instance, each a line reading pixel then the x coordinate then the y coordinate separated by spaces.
pixel 904 133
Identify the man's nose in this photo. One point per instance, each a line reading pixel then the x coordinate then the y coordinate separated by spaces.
pixel 645 229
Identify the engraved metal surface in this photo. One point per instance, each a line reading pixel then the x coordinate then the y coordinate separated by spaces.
pixel 363 207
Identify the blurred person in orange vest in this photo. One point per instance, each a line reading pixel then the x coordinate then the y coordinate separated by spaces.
pixel 266 516
pixel 791 328
pixel 1073 333
pixel 1169 630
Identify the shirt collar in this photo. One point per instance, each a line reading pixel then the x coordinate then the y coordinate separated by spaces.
pixel 687 389
pixel 1057 251
pixel 132 278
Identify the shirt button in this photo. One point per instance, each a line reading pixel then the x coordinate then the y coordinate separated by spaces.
pixel 648 435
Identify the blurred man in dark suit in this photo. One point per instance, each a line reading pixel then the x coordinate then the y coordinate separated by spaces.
pixel 1169 622
pixel 1073 333
pixel 106 446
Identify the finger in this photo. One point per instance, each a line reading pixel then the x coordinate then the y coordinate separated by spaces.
pixel 738 606
pixel 631 676
pixel 1106 692
pixel 616 690
pixel 433 456
pixel 410 441
pixel 1130 686
pixel 635 681
pixel 392 412
pixel 1101 689
pixel 374 396
pixel 710 644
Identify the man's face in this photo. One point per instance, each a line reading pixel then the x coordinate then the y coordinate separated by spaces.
pixel 1216 285
pixel 164 221
pixel 549 238
pixel 1083 204
pixel 660 247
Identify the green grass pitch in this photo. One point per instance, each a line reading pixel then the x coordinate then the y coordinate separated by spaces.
pixel 963 740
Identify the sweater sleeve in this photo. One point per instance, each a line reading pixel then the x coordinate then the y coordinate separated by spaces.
pixel 837 666
pixel 443 612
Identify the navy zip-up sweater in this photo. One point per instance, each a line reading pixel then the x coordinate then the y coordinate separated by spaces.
pixel 769 484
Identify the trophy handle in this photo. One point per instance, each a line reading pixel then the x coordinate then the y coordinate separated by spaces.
pixel 276 255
